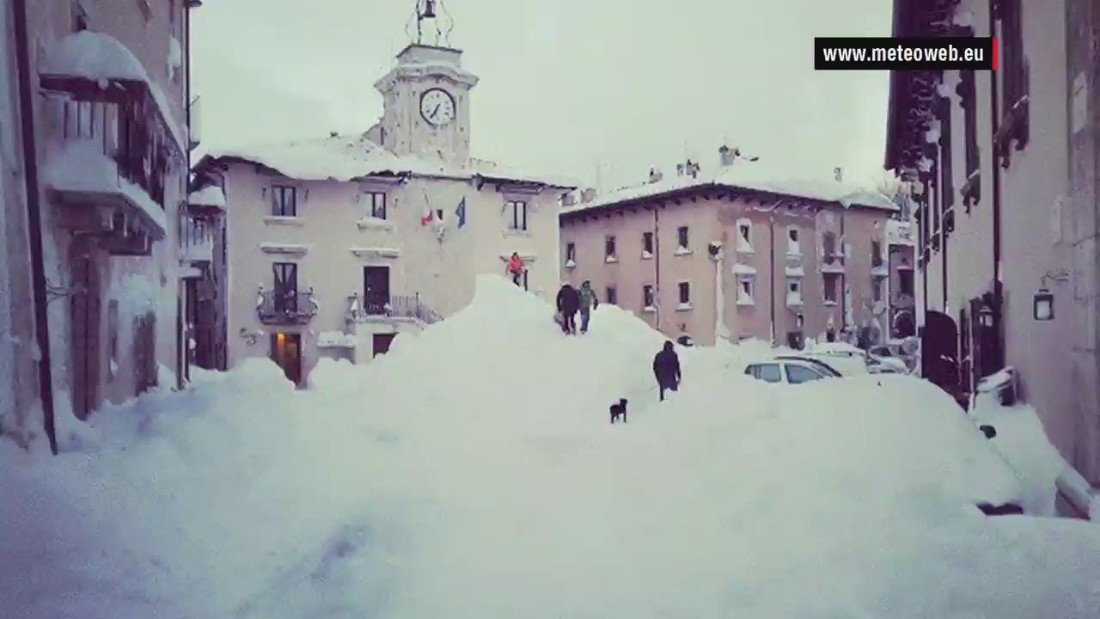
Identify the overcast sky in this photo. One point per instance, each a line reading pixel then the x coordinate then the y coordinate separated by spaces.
pixel 566 85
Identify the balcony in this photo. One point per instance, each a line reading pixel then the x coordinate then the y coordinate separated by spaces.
pixel 286 307
pixel 196 240
pixel 111 141
pixel 407 307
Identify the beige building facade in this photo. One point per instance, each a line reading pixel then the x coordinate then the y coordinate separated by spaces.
pixel 718 254
pixel 335 246
pixel 1004 163
pixel 107 178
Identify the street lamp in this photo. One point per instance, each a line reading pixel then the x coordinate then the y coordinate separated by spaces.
pixel 1043 305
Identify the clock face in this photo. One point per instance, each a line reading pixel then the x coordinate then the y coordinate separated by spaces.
pixel 437 107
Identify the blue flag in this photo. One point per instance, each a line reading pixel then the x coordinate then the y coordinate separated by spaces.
pixel 460 212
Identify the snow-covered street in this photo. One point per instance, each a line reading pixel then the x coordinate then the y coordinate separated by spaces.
pixel 472 472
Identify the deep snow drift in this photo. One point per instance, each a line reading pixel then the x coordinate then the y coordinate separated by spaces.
pixel 472 472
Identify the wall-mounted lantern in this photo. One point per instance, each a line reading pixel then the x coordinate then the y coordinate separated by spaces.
pixel 985 316
pixel 1043 305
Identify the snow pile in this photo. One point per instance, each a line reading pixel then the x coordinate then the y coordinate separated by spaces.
pixel 473 470
pixel 1023 442
pixel 210 196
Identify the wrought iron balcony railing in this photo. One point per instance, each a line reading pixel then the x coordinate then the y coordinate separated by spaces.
pixel 286 307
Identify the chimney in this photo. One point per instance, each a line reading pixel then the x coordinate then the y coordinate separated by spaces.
pixel 692 168
pixel 679 169
pixel 568 199
pixel 655 175
pixel 588 195
pixel 726 155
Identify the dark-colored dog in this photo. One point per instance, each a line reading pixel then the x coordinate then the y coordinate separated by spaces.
pixel 618 410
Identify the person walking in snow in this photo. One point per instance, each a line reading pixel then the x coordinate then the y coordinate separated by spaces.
pixel 588 302
pixel 568 304
pixel 666 369
pixel 516 267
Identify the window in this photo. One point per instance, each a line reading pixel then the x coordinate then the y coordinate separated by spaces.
pixel 285 294
pixel 523 279
pixel 767 372
pixel 794 292
pixel 876 253
pixel 685 293
pixel 972 187
pixel 745 290
pixel 905 282
pixel 831 282
pixel 376 203
pixel 609 251
pixel 1015 76
pixel 797 374
pixel 647 244
pixel 517 215
pixel 828 246
pixel 175 19
pixel 682 237
pixel 612 296
pixel 79 15
pixel 648 299
pixel 570 254
pixel 876 288
pixel 284 201
pixel 792 241
pixel 744 235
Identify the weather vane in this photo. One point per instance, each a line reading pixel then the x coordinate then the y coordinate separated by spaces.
pixel 441 23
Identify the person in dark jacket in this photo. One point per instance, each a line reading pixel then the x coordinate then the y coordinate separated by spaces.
pixel 666 368
pixel 569 303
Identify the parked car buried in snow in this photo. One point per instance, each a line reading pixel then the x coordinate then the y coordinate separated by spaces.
pixel 790 370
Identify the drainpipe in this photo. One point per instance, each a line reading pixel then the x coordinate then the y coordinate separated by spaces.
pixel 994 112
pixel 34 220
pixel 771 269
pixel 844 270
pixel 183 335
pixel 657 265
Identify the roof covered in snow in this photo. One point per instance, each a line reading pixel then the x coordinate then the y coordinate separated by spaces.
pixel 99 57
pixel 344 158
pixel 747 176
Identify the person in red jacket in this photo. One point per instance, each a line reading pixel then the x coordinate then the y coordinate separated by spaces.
pixel 516 267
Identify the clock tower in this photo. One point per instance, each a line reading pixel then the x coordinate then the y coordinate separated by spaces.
pixel 426 95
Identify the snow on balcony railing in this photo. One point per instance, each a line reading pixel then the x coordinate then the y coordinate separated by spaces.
pixel 104 150
pixel 196 239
